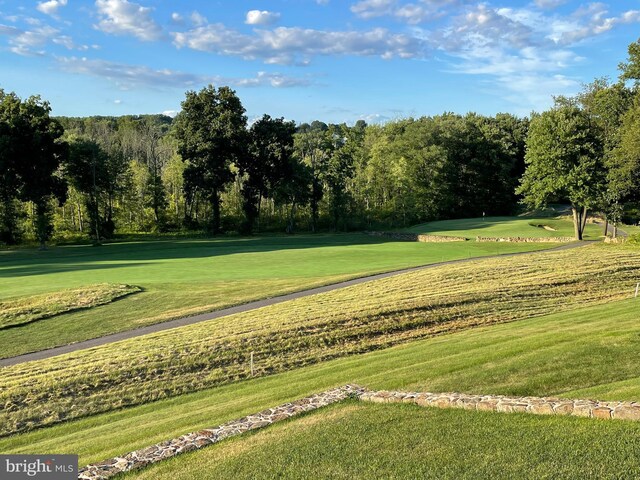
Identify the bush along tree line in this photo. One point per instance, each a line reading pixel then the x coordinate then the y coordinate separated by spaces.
pixel 209 170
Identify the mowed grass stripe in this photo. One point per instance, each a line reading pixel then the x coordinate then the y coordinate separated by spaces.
pixel 310 330
pixel 189 277
pixel 524 227
pixel 547 356
pixel 364 441
pixel 14 313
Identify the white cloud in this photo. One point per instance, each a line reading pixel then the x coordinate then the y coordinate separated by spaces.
pixel 549 3
pixel 117 101
pixel 512 49
pixel 51 6
pixel 32 42
pixel 374 8
pixel 177 18
pixel 375 118
pixel 65 41
pixel 412 12
pixel 294 45
pixel 198 19
pixel 261 17
pixel 121 17
pixel 9 30
pixel 127 77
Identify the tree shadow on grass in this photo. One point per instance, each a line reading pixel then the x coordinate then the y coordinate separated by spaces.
pixel 86 257
pixel 52 267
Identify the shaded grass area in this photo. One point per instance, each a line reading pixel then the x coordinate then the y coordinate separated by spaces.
pixel 349 321
pixel 30 309
pixel 506 227
pixel 188 277
pixel 554 355
pixel 365 441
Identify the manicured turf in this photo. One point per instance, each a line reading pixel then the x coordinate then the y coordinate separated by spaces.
pixel 551 355
pixel 308 330
pixel 39 307
pixel 505 227
pixel 364 441
pixel 186 277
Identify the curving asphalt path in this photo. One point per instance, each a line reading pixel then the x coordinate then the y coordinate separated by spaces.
pixel 181 322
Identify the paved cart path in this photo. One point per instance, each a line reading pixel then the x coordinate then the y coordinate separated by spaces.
pixel 181 322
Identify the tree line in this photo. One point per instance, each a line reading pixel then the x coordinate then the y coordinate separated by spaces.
pixel 209 170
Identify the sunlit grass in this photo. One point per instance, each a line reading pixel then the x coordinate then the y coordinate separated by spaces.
pixel 349 321
pixel 188 277
pixel 524 227
pixel 364 441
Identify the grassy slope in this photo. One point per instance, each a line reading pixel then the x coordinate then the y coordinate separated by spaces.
pixel 38 307
pixel 552 355
pixel 353 320
pixel 364 441
pixel 186 277
pixel 504 227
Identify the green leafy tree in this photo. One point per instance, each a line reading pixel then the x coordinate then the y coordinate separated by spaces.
pixel 606 105
pixel 211 136
pixel 314 148
pixel 86 169
pixel 563 162
pixel 631 68
pixel 268 164
pixel 32 151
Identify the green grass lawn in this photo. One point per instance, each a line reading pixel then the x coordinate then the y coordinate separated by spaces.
pixel 349 321
pixel 554 355
pixel 364 441
pixel 187 277
pixel 505 227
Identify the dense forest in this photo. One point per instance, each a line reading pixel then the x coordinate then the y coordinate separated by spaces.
pixel 209 170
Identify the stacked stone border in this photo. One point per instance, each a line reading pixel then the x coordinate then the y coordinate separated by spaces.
pixel 500 403
pixel 208 436
pixel 526 239
pixel 493 403
pixel 416 237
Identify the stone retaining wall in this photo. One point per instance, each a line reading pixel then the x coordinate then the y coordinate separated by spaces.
pixel 499 403
pixel 208 436
pixel 526 240
pixel 416 237
pixel 495 403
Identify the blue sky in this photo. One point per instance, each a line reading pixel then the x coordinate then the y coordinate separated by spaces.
pixel 334 60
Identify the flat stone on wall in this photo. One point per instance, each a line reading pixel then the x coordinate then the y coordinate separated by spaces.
pixel 416 237
pixel 526 240
pixel 500 403
pixel 491 403
pixel 208 436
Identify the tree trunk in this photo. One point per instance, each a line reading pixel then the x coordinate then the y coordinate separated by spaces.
pixel 215 205
pixel 8 222
pixel 606 226
pixel 42 223
pixel 576 223
pixel 614 234
pixel 584 222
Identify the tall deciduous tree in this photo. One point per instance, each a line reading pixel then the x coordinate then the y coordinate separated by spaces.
pixel 86 169
pixel 606 105
pixel 267 164
pixel 211 135
pixel 563 162
pixel 32 150
pixel 314 148
pixel 631 68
